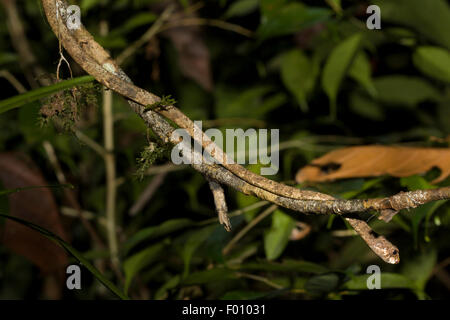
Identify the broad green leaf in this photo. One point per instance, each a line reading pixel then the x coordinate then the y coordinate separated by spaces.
pixel 254 102
pixel 241 8
pixel 360 70
pixel 433 61
pixel 75 253
pixel 195 239
pixel 155 232
pixel 286 266
pixel 419 270
pixel 208 276
pixel 366 186
pixel 299 75
pixel 336 68
pixel 7 58
pixel 31 96
pixel 419 213
pixel 245 201
pixel 277 237
pixel 430 18
pixel 289 18
pixel 323 283
pixel 404 90
pixel 141 19
pixel 270 7
pixel 365 106
pixel 140 260
pixel 170 284
pixel 88 4
pixel 335 5
pixel 388 281
pixel 415 182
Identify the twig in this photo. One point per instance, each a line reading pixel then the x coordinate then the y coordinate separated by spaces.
pixel 150 33
pixel 247 228
pixel 110 165
pixel 148 193
pixel 220 203
pixel 208 22
pixel 164 168
pixel 91 143
pixel 97 62
pixel 260 279
pixel 13 80
pixel 27 61
pixel 69 193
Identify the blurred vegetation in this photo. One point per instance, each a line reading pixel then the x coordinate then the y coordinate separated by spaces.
pixel 309 68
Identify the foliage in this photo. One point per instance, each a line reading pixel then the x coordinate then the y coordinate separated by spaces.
pixel 311 69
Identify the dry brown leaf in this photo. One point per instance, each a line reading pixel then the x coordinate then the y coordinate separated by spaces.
pixel 34 205
pixel 370 161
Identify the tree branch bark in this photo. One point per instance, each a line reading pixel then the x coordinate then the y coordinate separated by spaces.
pixel 97 62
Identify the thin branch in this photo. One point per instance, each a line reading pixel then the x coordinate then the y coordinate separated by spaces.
pixel 148 193
pixel 13 81
pixel 150 33
pixel 90 143
pixel 247 228
pixel 110 165
pixel 208 22
pixel 220 203
pixel 260 279
pixel 97 62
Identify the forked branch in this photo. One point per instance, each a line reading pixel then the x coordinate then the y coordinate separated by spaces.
pixel 98 63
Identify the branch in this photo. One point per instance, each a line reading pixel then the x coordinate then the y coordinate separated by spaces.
pixel 97 62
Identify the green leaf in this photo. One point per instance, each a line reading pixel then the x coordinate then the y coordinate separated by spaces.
pixel 195 239
pixel 430 18
pixel 141 19
pixel 140 260
pixel 336 68
pixel 282 20
pixel 208 276
pixel 170 284
pixel 323 283
pixel 286 266
pixel 418 214
pixel 31 96
pixel 155 232
pixel 365 106
pixel 253 103
pixel 433 61
pixel 388 281
pixel 335 5
pixel 404 90
pixel 241 8
pixel 420 269
pixel 277 238
pixel 299 75
pixel 360 70
pixel 8 58
pixel 71 250
pixel 415 182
